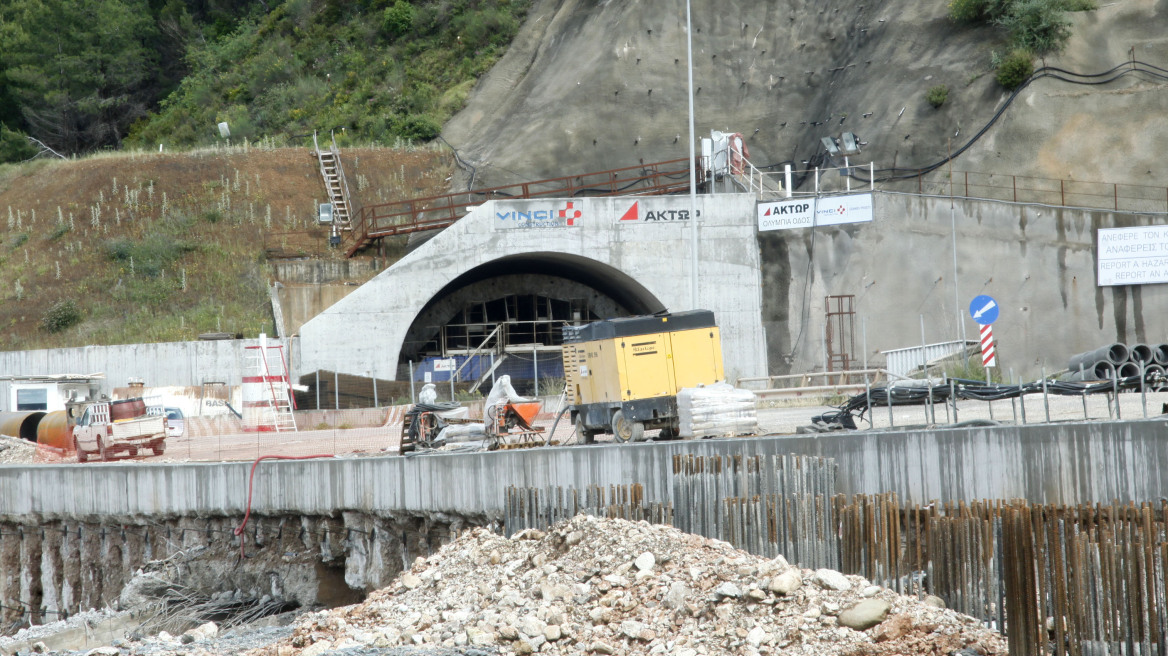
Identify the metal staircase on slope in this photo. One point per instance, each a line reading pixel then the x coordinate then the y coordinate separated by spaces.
pixel 334 182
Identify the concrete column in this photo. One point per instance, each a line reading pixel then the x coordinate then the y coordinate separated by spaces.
pixel 135 549
pixel 91 565
pixel 31 593
pixel 189 533
pixel 52 574
pixel 358 528
pixel 114 575
pixel 9 574
pixel 70 550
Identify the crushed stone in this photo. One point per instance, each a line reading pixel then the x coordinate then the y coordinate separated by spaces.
pixel 577 589
pixel 601 586
pixel 48 629
pixel 14 450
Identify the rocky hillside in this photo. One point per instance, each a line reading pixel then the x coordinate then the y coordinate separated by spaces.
pixel 588 86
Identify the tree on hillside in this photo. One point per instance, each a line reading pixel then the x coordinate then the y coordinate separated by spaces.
pixel 79 70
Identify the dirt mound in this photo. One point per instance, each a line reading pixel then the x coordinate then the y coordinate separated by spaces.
pixel 610 586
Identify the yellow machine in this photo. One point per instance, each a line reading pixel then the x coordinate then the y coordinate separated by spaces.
pixel 623 375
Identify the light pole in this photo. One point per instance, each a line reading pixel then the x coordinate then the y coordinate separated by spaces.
pixel 693 174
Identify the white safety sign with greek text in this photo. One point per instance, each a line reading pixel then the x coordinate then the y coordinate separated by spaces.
pixel 1133 256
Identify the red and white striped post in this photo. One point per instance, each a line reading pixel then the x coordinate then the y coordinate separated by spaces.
pixel 989 357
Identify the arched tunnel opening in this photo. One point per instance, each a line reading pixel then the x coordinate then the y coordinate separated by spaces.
pixel 507 317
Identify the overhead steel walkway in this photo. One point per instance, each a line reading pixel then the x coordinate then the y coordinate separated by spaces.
pixel 436 212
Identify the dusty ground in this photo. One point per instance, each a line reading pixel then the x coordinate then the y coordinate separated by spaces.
pixel 224 441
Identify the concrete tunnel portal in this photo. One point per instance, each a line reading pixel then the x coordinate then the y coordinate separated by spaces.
pixel 516 306
pixel 491 268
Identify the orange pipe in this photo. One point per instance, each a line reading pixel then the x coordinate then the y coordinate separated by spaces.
pixel 54 431
pixel 20 424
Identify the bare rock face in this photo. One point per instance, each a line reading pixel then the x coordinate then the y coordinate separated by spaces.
pixel 598 593
pixel 589 88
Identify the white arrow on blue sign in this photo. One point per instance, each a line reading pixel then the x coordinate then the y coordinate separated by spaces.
pixel 984 310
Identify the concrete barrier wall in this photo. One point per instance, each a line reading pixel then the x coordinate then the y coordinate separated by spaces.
pixel 159 365
pixel 1038 262
pixel 1069 463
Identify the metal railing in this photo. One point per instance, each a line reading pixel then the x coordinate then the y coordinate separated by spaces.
pixel 1046 191
pixel 435 212
pixel 672 176
pixel 816 383
pixel 1115 196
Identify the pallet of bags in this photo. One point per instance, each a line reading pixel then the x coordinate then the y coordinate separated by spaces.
pixel 718 410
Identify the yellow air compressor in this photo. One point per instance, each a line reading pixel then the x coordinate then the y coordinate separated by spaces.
pixel 623 375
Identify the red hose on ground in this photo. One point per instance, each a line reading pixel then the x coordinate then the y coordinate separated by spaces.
pixel 238 531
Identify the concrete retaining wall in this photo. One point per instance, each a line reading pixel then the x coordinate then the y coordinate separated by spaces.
pixel 1038 262
pixel 1067 463
pixel 159 365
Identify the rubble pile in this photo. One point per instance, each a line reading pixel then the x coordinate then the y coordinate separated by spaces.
pixel 14 450
pixel 608 586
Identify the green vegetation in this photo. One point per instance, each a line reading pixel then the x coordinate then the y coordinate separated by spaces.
pixel 167 71
pixel 294 71
pixel 937 95
pixel 14 147
pixel 61 316
pixel 1039 26
pixel 972 369
pixel 1015 69
pixel 59 231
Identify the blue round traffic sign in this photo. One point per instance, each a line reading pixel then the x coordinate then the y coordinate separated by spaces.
pixel 984 309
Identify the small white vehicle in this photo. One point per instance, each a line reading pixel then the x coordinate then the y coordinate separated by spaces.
pixel 108 428
pixel 175 423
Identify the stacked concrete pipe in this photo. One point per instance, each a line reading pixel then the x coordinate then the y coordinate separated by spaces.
pixel 1100 364
pixel 1119 360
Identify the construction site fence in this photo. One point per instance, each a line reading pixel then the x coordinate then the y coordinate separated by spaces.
pixel 1055 580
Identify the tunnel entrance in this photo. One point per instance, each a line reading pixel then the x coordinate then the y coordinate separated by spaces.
pixel 506 317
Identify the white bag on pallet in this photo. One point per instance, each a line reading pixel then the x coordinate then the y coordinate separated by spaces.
pixel 718 410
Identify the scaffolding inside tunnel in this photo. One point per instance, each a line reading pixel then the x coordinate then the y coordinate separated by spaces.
pixel 519 335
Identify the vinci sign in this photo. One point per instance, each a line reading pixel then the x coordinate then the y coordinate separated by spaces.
pixel 520 215
pixel 811 212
